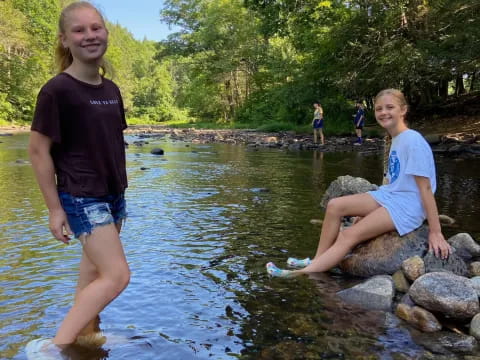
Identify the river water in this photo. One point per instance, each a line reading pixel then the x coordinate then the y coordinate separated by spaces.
pixel 203 221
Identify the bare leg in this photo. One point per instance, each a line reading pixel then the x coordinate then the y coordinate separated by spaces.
pixel 104 250
pixel 359 133
pixel 315 135
pixel 351 205
pixel 376 223
pixel 87 274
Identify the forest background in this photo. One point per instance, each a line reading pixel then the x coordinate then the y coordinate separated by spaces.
pixel 262 63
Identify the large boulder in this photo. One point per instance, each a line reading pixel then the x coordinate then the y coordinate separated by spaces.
pixel 346 185
pixel 385 253
pixel 447 293
pixel 374 294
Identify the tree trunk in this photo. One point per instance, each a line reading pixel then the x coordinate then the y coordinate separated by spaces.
pixel 236 90
pixel 9 73
pixel 459 87
pixel 443 89
pixel 472 82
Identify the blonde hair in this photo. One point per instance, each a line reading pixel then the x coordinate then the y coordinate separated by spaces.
pixel 63 56
pixel 396 94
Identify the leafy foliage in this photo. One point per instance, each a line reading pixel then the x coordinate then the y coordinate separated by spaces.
pixel 291 53
pixel 254 63
pixel 28 30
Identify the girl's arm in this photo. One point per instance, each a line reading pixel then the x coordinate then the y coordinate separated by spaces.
pixel 436 241
pixel 42 162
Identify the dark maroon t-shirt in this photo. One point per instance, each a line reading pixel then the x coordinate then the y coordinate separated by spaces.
pixel 85 123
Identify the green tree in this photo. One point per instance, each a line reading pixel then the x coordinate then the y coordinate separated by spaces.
pixel 221 42
pixel 27 29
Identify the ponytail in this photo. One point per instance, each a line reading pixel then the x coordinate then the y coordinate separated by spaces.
pixel 63 56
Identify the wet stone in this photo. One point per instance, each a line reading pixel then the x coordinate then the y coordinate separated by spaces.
pixel 446 293
pixel 385 253
pixel 413 268
pixel 453 263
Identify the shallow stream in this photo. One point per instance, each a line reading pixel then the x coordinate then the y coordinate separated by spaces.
pixel 204 220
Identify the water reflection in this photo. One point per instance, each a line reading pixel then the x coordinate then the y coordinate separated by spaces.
pixel 204 221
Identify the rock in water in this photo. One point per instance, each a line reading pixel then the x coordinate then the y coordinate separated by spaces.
pixel 446 293
pixel 385 253
pixel 157 151
pixel 374 294
pixel 346 185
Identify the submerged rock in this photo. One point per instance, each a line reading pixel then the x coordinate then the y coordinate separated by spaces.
pixel 446 220
pixel 418 317
pixel 157 151
pixel 375 294
pixel 446 343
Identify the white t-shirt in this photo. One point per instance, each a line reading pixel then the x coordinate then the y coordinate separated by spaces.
pixel 410 155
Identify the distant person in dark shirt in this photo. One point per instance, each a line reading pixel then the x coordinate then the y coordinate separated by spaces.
pixel 359 122
pixel 317 123
pixel 78 155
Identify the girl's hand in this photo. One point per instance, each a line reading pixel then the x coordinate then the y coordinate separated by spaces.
pixel 437 243
pixel 59 226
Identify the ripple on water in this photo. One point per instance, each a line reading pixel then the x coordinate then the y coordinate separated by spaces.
pixel 203 221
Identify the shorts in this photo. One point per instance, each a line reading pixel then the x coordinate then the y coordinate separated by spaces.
pixel 86 213
pixel 359 127
pixel 318 124
pixel 405 209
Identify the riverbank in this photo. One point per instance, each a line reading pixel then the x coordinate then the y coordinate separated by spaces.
pixel 457 125
pixel 13 129
pixel 255 139
pixel 460 144
pixel 458 137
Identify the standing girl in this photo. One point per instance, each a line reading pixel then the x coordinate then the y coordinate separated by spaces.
pixel 403 204
pixel 78 156
pixel 358 122
pixel 317 123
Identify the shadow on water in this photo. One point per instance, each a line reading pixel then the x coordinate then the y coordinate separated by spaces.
pixel 203 221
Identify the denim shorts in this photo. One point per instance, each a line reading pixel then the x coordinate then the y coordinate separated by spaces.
pixel 86 213
pixel 318 124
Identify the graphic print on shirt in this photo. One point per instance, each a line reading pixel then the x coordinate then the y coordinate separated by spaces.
pixel 104 102
pixel 393 166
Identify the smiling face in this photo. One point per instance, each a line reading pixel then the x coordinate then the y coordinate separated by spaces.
pixel 390 114
pixel 85 35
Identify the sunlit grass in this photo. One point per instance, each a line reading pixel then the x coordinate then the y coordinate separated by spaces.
pixel 5 123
